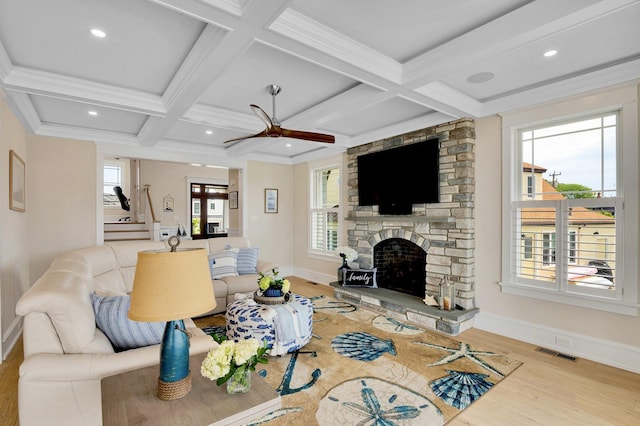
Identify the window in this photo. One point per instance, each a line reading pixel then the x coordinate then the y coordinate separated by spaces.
pixel 325 210
pixel 115 173
pixel 566 206
pixel 209 210
pixel 531 186
pixel 528 247
pixel 548 248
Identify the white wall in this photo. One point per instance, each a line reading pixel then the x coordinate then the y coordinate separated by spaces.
pixel 314 268
pixel 14 249
pixel 61 194
pixel 272 233
pixel 598 335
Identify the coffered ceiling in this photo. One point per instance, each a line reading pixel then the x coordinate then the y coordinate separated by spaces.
pixel 175 78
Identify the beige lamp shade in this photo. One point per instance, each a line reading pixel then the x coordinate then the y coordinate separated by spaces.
pixel 170 286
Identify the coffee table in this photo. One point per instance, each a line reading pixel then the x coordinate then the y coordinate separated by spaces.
pixel 130 398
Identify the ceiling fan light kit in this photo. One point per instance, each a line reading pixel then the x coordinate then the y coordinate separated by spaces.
pixel 273 129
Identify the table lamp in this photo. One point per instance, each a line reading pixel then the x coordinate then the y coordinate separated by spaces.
pixel 170 286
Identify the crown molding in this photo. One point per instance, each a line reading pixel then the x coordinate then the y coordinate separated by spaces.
pixel 412 125
pixel 27 113
pixel 81 133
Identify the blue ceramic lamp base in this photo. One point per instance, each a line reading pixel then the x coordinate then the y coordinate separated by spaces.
pixel 175 378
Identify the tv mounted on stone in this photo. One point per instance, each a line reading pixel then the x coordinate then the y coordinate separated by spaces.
pixel 395 179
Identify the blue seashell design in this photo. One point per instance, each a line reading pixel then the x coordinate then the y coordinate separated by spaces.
pixel 459 389
pixel 362 346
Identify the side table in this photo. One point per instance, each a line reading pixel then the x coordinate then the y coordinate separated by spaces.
pixel 130 398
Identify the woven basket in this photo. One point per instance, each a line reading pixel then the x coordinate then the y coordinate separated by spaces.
pixel 265 300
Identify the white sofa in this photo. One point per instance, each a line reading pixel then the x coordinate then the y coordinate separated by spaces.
pixel 66 355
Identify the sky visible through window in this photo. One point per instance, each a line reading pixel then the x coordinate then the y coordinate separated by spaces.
pixel 583 152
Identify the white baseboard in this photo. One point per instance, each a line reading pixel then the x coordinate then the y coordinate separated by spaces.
pixel 10 337
pixel 314 276
pixel 603 351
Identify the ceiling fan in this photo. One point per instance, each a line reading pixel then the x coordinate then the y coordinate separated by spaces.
pixel 273 129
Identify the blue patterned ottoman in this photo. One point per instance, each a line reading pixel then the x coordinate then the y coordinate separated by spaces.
pixel 286 327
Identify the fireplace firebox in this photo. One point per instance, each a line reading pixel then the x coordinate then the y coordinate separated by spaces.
pixel 401 266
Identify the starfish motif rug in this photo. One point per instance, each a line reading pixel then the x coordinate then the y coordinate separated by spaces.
pixel 364 368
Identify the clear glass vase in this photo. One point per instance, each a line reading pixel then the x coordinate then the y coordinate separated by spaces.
pixel 240 381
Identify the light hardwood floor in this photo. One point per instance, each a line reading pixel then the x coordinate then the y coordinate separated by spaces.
pixel 545 390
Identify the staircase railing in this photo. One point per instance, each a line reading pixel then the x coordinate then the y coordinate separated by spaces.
pixel 152 223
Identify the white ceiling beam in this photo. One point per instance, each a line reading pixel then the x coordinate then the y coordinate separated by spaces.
pixel 73 89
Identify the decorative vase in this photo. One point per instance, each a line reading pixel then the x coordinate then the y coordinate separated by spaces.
pixel 342 267
pixel 240 381
pixel 273 292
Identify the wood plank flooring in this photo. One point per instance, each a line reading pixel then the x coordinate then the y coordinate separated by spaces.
pixel 545 390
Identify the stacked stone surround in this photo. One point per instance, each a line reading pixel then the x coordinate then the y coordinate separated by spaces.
pixel 445 230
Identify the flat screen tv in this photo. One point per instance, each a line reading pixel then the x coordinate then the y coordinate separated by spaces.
pixel 396 179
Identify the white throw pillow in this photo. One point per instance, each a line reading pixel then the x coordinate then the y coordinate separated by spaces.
pixel 224 263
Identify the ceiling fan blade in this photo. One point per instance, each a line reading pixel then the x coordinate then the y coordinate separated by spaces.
pixel 257 135
pixel 262 116
pixel 307 136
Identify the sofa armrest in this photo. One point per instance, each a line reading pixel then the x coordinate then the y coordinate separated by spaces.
pixel 75 367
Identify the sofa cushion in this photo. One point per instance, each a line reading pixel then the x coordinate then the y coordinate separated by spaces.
pixel 123 333
pixel 217 244
pixel 248 261
pixel 224 263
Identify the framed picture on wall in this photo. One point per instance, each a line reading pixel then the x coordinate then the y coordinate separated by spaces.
pixel 16 182
pixel 270 200
pixel 233 200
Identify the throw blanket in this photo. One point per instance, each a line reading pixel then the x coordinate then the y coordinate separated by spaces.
pixel 290 321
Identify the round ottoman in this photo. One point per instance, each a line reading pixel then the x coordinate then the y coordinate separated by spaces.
pixel 287 327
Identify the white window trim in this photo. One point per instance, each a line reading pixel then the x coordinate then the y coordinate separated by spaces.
pixel 313 168
pixel 624 98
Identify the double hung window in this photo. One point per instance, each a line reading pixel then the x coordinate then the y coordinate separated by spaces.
pixel 325 210
pixel 564 237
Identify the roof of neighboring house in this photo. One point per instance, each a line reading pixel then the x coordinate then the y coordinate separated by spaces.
pixel 577 215
pixel 526 167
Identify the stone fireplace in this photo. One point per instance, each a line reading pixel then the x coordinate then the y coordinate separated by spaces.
pixel 413 253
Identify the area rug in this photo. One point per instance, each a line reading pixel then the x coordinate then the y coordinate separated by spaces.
pixel 363 368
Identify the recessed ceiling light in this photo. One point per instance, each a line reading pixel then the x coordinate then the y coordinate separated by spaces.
pixel 288 145
pixel 98 33
pixel 209 132
pixel 93 113
pixel 480 77
pixel 550 53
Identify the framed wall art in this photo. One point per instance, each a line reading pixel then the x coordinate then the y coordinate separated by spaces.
pixel 233 200
pixel 16 182
pixel 270 200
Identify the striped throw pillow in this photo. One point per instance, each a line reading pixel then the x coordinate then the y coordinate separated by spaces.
pixel 224 263
pixel 248 261
pixel 111 318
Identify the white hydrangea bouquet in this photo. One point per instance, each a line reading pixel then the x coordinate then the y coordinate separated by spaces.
pixel 347 253
pixel 232 359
